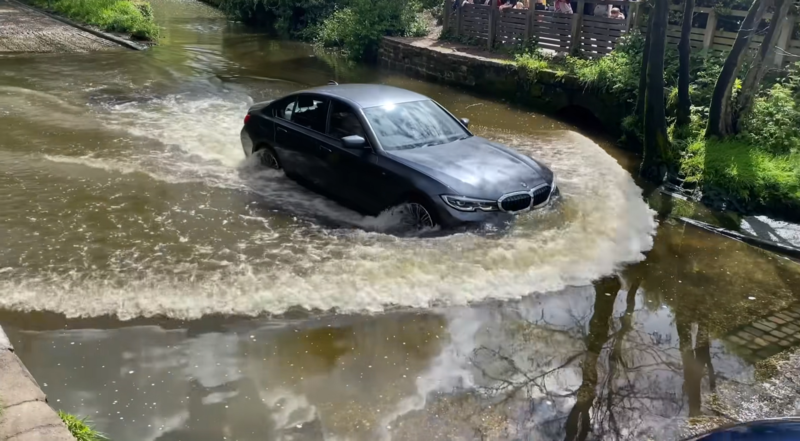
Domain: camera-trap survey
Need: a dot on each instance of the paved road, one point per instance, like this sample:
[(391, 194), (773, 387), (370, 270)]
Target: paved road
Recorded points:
[(23, 30)]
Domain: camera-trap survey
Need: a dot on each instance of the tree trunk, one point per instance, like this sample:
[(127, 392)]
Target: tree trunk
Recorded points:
[(720, 114), (656, 140), (643, 70), (684, 116), (759, 66)]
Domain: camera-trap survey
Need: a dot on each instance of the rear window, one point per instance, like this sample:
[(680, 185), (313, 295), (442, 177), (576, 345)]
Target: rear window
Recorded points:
[(413, 125)]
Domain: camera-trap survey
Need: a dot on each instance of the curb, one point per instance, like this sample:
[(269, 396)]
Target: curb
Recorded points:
[(112, 38), (26, 415)]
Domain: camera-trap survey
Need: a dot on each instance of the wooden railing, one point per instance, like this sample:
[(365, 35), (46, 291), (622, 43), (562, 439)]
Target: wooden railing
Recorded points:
[(593, 35)]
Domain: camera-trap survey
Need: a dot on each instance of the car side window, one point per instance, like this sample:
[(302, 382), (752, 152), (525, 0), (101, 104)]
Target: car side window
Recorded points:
[(344, 122), (284, 108), (311, 112)]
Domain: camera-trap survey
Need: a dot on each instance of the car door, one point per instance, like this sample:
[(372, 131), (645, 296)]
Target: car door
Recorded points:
[(286, 145), (300, 138), (357, 175)]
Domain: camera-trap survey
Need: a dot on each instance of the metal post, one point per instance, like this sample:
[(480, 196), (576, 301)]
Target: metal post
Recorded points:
[(459, 13), (493, 13), (577, 24), (529, 20), (783, 40), (448, 10)]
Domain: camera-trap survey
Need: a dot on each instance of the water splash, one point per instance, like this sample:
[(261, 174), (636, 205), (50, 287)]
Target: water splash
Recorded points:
[(195, 230)]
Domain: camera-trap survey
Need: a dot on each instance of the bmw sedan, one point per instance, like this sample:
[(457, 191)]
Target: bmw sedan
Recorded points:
[(373, 148)]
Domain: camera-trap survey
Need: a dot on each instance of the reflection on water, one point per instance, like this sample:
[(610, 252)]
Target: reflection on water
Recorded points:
[(125, 193), (630, 357)]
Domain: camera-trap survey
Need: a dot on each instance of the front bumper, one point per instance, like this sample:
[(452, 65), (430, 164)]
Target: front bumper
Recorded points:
[(449, 217)]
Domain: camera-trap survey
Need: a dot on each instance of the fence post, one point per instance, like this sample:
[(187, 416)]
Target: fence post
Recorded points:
[(633, 10), (448, 11), (493, 13), (529, 21), (577, 24), (711, 29), (783, 40)]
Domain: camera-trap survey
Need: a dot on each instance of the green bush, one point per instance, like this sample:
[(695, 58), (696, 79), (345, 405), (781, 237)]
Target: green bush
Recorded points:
[(135, 18), (616, 72), (774, 123), (295, 18), (359, 27), (80, 429), (529, 64)]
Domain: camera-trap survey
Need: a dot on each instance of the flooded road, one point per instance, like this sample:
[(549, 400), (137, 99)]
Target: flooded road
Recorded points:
[(156, 282)]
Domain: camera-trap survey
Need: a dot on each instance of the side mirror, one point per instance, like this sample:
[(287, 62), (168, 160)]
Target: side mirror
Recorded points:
[(354, 142), (465, 121)]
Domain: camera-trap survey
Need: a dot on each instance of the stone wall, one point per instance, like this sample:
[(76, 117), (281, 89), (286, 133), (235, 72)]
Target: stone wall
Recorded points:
[(548, 94), (25, 416)]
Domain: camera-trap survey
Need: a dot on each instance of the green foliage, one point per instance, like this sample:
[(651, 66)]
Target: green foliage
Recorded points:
[(743, 170), (79, 428), (774, 123), (617, 72), (358, 27), (529, 65), (296, 18), (133, 17)]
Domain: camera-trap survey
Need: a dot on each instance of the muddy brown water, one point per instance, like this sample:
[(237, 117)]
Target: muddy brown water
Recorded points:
[(159, 284)]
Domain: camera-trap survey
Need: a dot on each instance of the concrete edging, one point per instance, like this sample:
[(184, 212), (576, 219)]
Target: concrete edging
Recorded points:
[(112, 38), (26, 416)]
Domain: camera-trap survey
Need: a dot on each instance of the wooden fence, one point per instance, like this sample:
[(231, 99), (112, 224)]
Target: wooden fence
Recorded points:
[(596, 36)]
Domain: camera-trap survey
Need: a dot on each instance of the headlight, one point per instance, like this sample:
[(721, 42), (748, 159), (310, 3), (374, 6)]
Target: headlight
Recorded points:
[(553, 186), (462, 203)]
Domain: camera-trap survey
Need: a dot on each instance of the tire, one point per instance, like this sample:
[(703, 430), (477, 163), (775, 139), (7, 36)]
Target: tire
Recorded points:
[(416, 214), (268, 158)]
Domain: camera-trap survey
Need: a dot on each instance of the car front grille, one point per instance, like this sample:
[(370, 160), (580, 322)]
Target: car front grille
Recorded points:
[(540, 195), (517, 202)]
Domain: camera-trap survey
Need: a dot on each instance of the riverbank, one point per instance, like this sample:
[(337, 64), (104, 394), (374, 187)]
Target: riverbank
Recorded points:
[(24, 412), (126, 22), (25, 30)]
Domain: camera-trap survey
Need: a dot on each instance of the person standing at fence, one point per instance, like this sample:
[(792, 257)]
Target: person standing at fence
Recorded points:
[(508, 4), (563, 7), (602, 10), (616, 14)]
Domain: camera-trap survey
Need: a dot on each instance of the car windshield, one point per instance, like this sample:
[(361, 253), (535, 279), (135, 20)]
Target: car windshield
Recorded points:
[(413, 125)]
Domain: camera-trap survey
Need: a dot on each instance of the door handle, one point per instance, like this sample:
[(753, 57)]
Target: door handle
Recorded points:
[(322, 147), (281, 129)]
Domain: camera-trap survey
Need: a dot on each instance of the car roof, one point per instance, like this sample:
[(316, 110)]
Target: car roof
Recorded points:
[(368, 95)]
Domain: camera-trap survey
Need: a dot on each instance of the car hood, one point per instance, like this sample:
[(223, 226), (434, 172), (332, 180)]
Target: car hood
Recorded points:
[(476, 167)]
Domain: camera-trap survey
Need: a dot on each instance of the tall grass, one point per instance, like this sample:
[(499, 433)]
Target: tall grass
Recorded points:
[(743, 170), (127, 16), (80, 429)]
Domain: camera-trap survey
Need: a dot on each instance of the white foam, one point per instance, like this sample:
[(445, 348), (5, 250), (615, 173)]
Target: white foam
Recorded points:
[(602, 223)]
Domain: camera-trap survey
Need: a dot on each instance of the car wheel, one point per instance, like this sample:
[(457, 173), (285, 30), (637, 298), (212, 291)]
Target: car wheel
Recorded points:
[(268, 158), (417, 216)]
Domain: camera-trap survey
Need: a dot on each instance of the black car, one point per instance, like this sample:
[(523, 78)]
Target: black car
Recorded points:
[(373, 147)]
